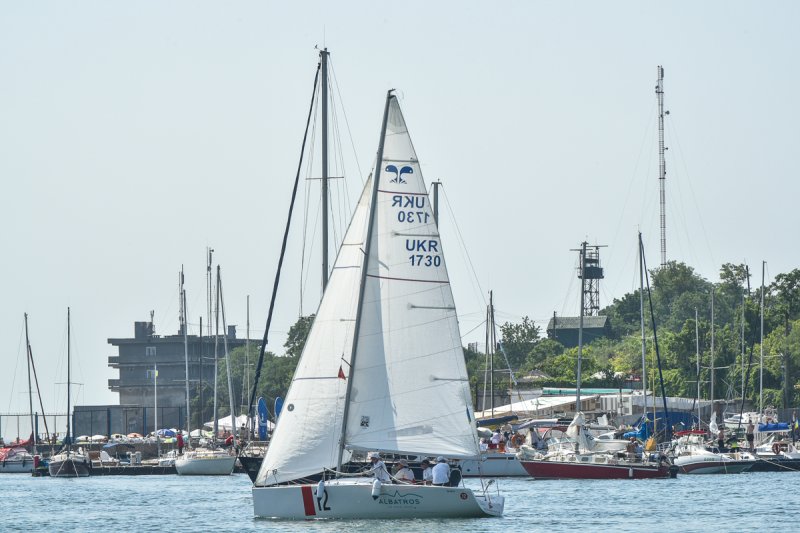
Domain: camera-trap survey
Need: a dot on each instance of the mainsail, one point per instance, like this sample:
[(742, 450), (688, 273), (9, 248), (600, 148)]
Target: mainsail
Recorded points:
[(409, 389)]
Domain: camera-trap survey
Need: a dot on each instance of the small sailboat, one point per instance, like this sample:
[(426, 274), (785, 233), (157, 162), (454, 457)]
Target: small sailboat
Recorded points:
[(211, 460), (15, 458), (383, 368), (69, 463)]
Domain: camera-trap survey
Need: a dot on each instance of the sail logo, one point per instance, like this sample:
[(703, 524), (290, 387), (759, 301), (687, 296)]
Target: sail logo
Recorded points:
[(400, 499), (398, 174)]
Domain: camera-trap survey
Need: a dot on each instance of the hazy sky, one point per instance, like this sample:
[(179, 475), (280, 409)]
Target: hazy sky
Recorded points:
[(135, 134)]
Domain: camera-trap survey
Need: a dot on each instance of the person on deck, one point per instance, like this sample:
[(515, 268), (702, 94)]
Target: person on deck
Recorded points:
[(427, 472), (750, 436), (721, 440), (179, 440), (378, 468), (441, 473), (404, 474)]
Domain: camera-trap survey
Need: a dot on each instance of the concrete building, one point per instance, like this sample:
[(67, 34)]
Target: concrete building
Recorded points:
[(138, 358)]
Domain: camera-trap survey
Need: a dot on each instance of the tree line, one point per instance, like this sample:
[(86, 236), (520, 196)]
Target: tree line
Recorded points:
[(615, 361)]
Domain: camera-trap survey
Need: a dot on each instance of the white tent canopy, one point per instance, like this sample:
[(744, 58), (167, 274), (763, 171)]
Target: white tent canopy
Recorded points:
[(224, 423)]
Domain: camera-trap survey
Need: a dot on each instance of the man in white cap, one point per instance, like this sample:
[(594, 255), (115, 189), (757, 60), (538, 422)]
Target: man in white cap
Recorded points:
[(404, 473), (378, 469), (441, 472)]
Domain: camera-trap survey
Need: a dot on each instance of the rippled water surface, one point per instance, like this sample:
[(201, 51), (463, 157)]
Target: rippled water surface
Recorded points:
[(690, 503)]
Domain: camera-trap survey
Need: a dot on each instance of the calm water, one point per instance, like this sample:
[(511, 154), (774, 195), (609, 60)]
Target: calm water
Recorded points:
[(690, 503)]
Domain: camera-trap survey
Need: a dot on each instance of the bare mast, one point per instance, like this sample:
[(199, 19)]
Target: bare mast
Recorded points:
[(30, 385), (323, 56)]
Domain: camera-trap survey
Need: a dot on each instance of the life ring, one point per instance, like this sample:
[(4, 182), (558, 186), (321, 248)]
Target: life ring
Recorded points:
[(776, 448)]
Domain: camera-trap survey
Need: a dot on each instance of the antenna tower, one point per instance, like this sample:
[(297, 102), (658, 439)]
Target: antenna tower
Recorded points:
[(662, 166)]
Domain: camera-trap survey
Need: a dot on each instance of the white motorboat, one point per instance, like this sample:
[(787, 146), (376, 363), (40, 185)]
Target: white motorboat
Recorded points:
[(205, 462), (16, 460), (691, 456), (383, 368)]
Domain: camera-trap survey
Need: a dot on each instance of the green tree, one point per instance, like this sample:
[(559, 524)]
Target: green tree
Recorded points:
[(518, 340)]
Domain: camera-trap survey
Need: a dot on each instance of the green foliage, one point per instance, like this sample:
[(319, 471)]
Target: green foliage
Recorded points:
[(518, 340)]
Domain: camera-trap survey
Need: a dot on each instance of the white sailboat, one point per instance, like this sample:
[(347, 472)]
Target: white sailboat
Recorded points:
[(69, 463), (383, 368), (210, 461)]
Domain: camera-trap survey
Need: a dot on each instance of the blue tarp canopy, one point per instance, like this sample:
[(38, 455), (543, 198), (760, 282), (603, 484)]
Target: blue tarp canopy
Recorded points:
[(644, 428), (775, 426)]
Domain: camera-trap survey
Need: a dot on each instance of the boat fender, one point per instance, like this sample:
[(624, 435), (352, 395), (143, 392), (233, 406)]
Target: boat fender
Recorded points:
[(776, 448), (630, 473), (320, 489), (376, 489)]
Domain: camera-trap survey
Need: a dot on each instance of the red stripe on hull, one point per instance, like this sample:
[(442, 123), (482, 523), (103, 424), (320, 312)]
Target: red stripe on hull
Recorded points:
[(562, 470), (308, 501)]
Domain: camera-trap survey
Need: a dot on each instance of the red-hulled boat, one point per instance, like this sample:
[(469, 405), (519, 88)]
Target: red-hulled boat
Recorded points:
[(600, 466)]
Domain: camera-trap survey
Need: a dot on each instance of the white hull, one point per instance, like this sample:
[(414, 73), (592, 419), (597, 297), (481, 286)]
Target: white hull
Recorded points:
[(711, 464), (493, 465), (16, 466), (201, 464), (354, 499)]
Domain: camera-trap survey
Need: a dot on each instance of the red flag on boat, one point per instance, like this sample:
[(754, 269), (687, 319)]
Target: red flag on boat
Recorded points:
[(341, 373)]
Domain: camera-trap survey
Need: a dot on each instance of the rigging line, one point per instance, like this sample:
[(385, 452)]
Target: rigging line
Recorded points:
[(634, 174), (282, 254), (674, 131), (343, 189), (473, 329), (16, 366), (347, 122), (463, 243), (309, 168)]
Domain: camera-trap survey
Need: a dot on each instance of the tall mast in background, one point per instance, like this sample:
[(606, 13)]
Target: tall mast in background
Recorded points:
[(662, 166)]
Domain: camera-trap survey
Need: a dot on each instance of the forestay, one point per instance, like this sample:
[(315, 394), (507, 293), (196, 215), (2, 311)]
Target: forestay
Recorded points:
[(306, 437), (410, 391)]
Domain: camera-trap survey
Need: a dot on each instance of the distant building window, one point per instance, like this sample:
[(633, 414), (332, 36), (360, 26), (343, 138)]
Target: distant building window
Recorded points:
[(150, 351)]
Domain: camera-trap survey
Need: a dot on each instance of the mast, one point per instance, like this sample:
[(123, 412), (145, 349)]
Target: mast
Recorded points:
[(743, 337), (662, 166), (712, 350), (227, 357), (69, 376), (30, 385), (580, 328), (641, 320), (216, 357), (761, 363), (185, 354), (247, 355), (323, 57), (209, 253), (436, 185), (367, 249), (697, 352), (490, 351)]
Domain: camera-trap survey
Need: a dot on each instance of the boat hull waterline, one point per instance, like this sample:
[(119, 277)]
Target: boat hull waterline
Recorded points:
[(575, 470), (711, 465), (205, 466), (68, 468), (356, 500)]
